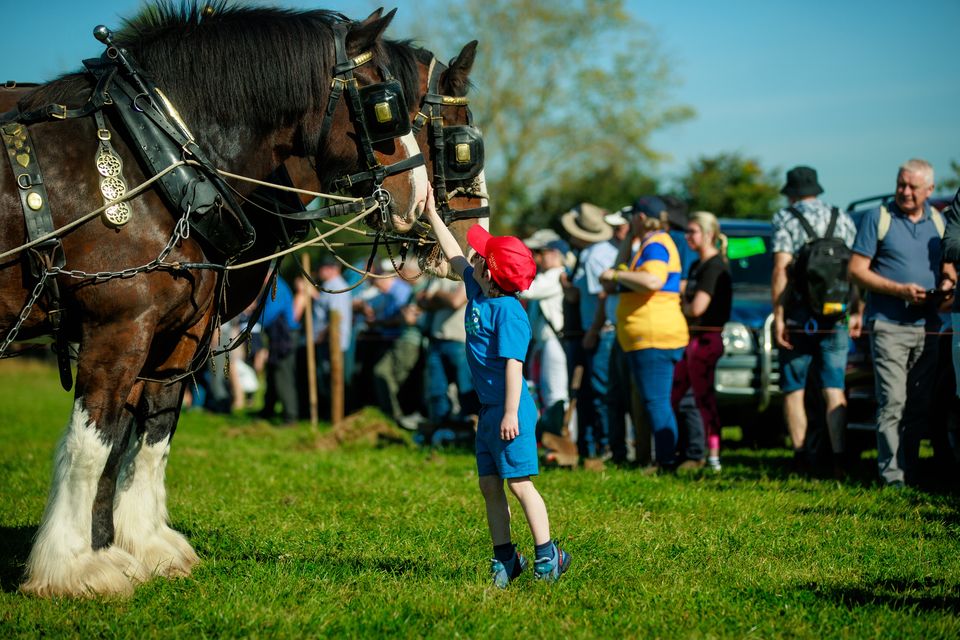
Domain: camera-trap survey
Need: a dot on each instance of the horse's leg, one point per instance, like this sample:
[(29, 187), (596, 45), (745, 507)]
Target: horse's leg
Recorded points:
[(140, 511), (74, 554)]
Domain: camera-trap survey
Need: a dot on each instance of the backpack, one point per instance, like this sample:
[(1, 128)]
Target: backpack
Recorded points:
[(819, 272), (883, 223)]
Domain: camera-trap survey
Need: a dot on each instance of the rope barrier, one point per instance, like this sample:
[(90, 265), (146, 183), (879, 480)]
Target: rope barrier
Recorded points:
[(864, 331)]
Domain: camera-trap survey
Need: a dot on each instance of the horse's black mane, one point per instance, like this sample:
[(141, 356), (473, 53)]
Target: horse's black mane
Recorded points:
[(224, 64), (403, 58)]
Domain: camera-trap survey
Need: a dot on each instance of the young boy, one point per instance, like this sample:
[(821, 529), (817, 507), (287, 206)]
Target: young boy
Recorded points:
[(498, 333)]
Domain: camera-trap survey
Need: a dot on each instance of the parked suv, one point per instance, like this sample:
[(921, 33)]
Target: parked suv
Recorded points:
[(747, 380)]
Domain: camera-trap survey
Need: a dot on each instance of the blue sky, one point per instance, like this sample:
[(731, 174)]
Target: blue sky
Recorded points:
[(850, 87)]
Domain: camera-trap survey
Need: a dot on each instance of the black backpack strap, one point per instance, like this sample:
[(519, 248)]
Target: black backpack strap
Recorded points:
[(811, 234), (834, 214)]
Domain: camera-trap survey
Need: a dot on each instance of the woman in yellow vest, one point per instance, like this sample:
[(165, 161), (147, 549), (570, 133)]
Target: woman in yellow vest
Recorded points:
[(650, 324)]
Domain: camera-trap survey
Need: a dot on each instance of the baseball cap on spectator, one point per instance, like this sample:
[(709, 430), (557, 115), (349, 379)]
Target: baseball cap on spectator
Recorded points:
[(676, 211), (540, 238), (327, 260), (509, 261), (558, 245), (650, 206), (618, 218), (385, 266)]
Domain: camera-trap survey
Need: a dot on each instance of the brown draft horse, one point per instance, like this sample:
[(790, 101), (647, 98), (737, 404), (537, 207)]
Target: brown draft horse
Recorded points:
[(252, 85)]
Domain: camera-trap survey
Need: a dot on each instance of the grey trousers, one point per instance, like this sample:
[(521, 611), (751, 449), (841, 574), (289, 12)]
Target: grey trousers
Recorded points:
[(904, 360)]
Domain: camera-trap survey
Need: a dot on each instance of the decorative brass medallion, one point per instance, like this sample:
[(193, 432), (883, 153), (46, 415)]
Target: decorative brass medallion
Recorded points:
[(34, 201), (112, 184)]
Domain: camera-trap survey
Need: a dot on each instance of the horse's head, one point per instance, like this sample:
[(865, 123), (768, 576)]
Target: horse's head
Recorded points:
[(367, 105), (453, 147)]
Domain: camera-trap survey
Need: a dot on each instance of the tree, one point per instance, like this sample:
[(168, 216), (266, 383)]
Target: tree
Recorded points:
[(561, 90), (952, 183), (610, 188), (731, 186)]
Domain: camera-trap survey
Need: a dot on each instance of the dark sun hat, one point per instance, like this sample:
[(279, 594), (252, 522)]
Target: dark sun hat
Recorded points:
[(801, 182)]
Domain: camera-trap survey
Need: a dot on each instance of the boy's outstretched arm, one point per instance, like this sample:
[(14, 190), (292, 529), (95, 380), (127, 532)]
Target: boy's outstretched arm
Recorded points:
[(449, 245)]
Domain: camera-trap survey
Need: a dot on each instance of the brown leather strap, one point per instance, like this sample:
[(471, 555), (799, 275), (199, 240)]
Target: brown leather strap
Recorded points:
[(22, 156)]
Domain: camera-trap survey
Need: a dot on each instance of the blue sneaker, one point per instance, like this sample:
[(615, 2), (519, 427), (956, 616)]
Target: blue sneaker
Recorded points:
[(504, 574), (550, 569)]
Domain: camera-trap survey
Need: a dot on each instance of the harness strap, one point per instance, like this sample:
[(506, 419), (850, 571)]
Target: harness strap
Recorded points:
[(346, 182), (48, 255), (94, 103)]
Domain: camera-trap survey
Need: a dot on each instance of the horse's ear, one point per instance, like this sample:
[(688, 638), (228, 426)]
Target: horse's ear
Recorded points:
[(455, 81), (364, 35)]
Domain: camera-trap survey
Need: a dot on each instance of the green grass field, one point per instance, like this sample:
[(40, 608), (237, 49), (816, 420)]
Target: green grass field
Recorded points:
[(366, 541)]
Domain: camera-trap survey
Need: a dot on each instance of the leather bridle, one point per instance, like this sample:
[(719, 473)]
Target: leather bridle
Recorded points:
[(344, 81), (456, 150)]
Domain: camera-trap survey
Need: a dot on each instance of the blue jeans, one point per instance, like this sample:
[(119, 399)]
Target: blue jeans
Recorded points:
[(592, 408), (652, 371), (446, 361)]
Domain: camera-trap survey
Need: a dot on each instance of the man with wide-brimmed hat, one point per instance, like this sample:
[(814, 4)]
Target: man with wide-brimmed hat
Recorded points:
[(598, 252), (805, 335)]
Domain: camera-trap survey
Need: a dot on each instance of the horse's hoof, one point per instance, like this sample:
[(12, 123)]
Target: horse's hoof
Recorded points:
[(166, 553), (110, 572)]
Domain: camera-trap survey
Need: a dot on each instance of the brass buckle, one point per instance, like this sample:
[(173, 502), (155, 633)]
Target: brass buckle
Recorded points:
[(58, 111), (103, 135)]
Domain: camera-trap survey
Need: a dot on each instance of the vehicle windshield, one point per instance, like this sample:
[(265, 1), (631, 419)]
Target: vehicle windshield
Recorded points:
[(750, 260)]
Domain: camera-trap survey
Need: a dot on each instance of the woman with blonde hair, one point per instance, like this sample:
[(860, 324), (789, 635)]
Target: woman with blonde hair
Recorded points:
[(706, 304)]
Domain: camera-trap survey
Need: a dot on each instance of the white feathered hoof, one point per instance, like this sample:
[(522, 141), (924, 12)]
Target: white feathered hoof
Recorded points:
[(110, 572), (166, 553)]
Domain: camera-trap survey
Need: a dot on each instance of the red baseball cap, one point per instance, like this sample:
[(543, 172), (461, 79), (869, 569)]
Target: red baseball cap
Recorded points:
[(510, 262)]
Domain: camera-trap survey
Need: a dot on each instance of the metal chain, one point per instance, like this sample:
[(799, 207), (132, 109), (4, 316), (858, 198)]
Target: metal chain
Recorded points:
[(24, 314), (181, 231)]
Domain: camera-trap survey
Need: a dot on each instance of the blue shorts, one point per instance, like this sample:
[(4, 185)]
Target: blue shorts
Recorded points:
[(828, 350), (508, 459)]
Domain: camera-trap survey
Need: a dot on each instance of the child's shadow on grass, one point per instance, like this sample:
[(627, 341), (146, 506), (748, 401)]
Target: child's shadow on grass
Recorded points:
[(13, 558)]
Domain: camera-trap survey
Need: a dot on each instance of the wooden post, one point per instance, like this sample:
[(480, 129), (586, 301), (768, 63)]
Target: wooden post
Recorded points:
[(311, 351), (336, 368)]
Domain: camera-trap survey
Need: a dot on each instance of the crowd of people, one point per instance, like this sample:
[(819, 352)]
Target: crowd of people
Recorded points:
[(627, 310)]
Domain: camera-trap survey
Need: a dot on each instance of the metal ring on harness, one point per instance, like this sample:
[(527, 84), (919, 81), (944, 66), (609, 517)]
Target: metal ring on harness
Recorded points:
[(24, 177), (811, 326), (136, 101), (383, 198)]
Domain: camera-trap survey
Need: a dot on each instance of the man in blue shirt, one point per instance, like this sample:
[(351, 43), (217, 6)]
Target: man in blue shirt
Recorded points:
[(598, 252), (896, 258), (282, 328)]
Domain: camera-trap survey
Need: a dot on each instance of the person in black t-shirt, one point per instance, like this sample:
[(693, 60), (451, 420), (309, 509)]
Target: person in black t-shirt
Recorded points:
[(706, 303)]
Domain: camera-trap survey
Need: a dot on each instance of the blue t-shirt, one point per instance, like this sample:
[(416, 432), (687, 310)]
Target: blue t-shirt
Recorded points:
[(910, 252), (594, 260), (497, 329), (281, 305)]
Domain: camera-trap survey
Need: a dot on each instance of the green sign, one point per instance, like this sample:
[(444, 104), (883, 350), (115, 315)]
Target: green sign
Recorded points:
[(745, 247)]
